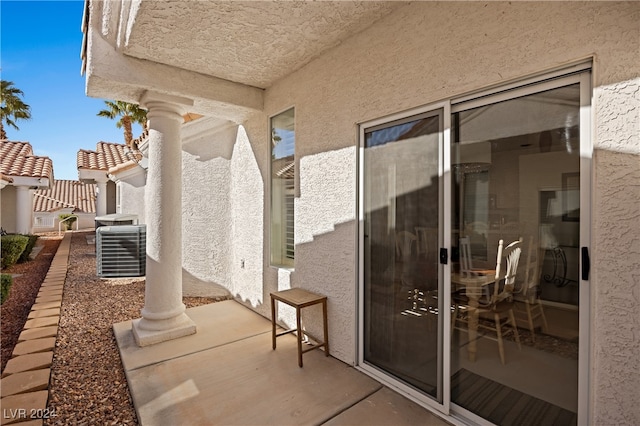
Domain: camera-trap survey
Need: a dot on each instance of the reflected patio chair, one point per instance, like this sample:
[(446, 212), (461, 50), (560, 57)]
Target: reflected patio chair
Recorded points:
[(529, 292), (498, 305)]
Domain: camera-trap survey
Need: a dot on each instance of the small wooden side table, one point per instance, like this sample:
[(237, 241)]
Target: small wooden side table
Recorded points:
[(299, 298)]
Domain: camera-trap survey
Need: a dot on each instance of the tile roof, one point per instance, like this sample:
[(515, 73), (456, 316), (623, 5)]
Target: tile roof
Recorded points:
[(284, 168), (17, 160), (105, 156), (66, 194)]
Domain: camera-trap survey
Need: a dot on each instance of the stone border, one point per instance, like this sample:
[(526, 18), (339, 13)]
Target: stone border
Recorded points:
[(24, 386)]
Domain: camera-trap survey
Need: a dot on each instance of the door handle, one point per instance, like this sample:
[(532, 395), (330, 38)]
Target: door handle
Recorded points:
[(586, 263), (444, 256)]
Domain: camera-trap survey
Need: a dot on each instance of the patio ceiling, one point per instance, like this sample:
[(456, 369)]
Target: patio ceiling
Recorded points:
[(218, 54)]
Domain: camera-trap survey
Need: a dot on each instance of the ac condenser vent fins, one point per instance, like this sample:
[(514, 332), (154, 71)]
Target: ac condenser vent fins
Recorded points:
[(121, 251)]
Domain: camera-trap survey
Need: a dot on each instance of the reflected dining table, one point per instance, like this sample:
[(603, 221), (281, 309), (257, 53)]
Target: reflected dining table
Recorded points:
[(474, 287)]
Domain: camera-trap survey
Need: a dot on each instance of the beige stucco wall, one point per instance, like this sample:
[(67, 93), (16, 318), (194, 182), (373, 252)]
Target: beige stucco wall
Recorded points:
[(429, 51), (132, 199), (423, 53), (206, 212), (9, 208), (84, 221)]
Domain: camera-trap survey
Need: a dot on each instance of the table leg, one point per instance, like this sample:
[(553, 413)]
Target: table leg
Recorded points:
[(473, 325), (273, 323), (299, 334), (326, 328)]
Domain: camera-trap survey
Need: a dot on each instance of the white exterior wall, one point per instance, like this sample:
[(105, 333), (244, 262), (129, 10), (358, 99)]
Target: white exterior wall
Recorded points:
[(250, 253), (206, 202), (9, 208), (84, 221), (451, 49), (423, 53), (131, 193)]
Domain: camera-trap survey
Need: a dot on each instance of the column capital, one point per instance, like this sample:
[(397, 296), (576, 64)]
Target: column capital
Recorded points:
[(161, 104)]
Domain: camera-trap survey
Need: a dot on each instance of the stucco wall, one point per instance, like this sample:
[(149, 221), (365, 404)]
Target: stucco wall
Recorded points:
[(422, 53), (615, 243), (9, 208), (247, 264), (429, 51), (84, 221), (206, 202), (131, 193)]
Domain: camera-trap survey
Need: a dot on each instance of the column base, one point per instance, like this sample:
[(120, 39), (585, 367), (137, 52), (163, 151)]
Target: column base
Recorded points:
[(146, 337)]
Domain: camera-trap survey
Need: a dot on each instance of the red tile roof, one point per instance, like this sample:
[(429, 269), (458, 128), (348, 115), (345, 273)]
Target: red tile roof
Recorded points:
[(66, 194), (105, 156), (17, 160)]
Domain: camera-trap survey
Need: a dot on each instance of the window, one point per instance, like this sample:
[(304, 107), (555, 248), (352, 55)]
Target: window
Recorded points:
[(282, 188), (119, 197)]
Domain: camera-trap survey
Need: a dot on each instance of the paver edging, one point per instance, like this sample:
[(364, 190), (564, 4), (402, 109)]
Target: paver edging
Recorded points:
[(25, 408)]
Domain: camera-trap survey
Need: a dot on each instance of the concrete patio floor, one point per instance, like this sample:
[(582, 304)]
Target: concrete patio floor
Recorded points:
[(227, 374)]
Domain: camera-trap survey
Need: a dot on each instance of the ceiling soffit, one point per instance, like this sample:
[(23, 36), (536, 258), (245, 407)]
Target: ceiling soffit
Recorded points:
[(253, 43)]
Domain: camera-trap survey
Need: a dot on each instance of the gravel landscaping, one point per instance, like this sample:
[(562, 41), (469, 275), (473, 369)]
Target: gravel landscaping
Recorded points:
[(88, 384)]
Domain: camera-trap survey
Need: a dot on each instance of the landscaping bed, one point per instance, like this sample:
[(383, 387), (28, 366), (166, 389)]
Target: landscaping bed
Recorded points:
[(27, 278), (88, 385)]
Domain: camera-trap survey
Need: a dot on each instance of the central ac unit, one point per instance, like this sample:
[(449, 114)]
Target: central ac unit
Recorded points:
[(121, 251)]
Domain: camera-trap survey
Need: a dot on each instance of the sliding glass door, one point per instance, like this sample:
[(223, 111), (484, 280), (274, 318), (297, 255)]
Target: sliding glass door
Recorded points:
[(516, 182), (401, 202), (474, 242)]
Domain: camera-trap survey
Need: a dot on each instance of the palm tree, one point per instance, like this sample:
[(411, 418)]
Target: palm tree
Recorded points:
[(13, 108), (129, 114)]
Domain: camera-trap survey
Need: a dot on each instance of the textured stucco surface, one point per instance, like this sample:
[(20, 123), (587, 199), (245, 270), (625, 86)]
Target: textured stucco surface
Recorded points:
[(206, 202), (616, 255), (490, 43), (131, 189), (247, 224), (277, 37), (9, 208), (422, 53)]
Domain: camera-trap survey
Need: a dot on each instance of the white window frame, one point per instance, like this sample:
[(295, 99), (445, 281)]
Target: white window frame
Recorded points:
[(288, 199), (577, 73)]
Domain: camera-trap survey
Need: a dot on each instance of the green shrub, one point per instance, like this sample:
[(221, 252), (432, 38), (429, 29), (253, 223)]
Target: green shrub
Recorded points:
[(27, 251), (68, 223), (5, 285), (12, 248)]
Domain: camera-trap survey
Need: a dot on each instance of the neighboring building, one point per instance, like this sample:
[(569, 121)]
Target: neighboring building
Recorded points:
[(93, 167), (130, 178), (21, 173), (64, 197), (356, 149)]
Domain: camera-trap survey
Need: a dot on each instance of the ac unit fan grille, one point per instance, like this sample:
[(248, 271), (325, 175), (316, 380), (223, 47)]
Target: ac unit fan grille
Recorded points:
[(121, 251)]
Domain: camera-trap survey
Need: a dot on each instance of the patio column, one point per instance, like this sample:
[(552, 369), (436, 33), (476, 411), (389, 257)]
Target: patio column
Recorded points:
[(101, 196), (163, 315), (24, 209)]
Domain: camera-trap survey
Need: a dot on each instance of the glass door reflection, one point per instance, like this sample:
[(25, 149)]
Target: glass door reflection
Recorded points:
[(515, 170), (401, 239)]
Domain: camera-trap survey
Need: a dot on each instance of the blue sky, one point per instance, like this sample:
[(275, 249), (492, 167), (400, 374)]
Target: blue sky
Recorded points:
[(40, 52)]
